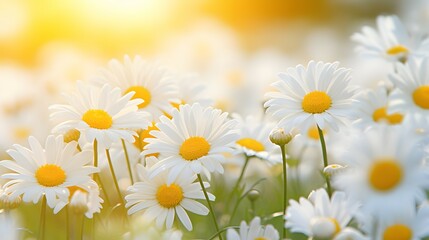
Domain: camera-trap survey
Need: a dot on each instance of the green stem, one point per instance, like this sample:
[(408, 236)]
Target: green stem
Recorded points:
[(325, 158), (283, 150), (82, 228), (67, 222), (114, 177), (210, 206), (237, 184), (42, 219), (127, 158), (95, 145)]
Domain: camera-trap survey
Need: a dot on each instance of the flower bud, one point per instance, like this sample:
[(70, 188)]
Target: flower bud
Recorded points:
[(332, 169), (253, 195), (7, 202), (279, 137), (71, 135)]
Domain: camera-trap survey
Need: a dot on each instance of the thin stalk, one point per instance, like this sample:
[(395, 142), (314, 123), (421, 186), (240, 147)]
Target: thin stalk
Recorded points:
[(237, 184), (95, 145), (114, 177), (82, 228), (283, 149), (210, 206), (42, 219), (325, 158), (67, 222), (127, 158)]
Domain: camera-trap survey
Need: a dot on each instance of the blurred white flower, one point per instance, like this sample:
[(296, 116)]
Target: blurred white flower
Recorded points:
[(253, 231)]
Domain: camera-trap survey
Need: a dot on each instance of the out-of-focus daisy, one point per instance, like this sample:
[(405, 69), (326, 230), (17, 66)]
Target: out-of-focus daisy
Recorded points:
[(190, 91), (411, 95), (373, 106), (148, 81), (162, 201), (253, 231), (384, 164), (391, 41), (9, 228), (101, 114), (404, 225), (47, 171), (254, 138), (320, 217), (318, 94), (146, 230), (195, 138)]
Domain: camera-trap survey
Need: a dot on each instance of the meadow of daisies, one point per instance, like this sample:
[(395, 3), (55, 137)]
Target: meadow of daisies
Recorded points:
[(139, 152)]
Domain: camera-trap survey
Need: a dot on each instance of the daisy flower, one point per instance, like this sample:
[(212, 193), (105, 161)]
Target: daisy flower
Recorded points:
[(254, 138), (47, 171), (404, 225), (411, 95), (391, 41), (320, 217), (384, 164), (195, 138), (162, 201), (191, 90), (318, 94), (149, 83), (99, 114), (85, 199), (373, 106), (254, 231)]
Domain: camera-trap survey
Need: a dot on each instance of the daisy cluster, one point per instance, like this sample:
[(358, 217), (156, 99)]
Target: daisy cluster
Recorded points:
[(141, 152)]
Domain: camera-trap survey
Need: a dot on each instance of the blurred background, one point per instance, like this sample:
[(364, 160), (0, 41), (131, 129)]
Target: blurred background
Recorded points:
[(237, 46)]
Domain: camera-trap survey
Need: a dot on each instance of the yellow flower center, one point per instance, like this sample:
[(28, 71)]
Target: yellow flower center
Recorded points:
[(251, 144), (385, 174), (398, 49), (21, 132), (421, 96), (71, 135), (313, 133), (50, 175), (381, 114), (97, 118), (316, 102), (194, 148), (398, 232), (169, 196), (142, 93), (260, 238)]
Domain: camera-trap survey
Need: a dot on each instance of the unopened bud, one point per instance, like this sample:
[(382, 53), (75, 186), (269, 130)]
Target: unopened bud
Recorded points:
[(279, 137), (333, 169), (7, 202), (253, 195), (71, 135)]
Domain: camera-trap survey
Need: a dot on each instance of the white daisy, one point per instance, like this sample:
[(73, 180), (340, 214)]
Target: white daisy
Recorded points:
[(373, 107), (253, 232), (195, 138), (47, 171), (150, 83), (85, 199), (385, 164), (318, 94), (192, 90), (162, 201), (411, 95), (391, 41), (403, 225), (320, 217), (100, 114), (254, 138)]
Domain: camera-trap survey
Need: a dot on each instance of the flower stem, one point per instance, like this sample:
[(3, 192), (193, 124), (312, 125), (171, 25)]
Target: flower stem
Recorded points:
[(67, 222), (127, 158), (325, 158), (237, 184), (210, 206), (42, 219), (283, 150), (95, 145), (114, 177)]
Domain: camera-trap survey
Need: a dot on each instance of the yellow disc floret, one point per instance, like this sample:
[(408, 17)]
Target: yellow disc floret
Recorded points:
[(169, 196), (380, 114), (142, 93), (398, 232), (385, 175), (316, 102), (97, 118), (421, 96), (194, 148), (50, 175), (398, 49), (251, 144)]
